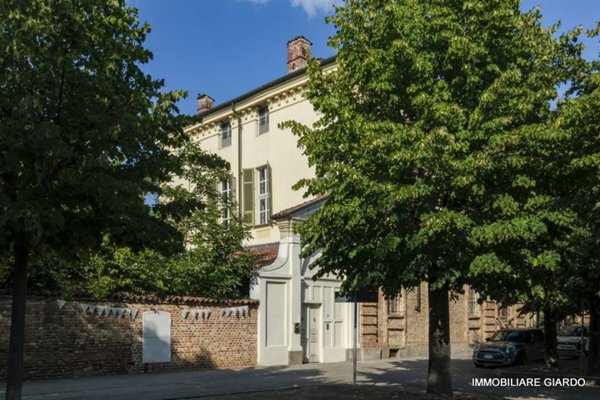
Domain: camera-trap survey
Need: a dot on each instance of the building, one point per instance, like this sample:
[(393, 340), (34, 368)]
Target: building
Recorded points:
[(399, 326), (299, 319)]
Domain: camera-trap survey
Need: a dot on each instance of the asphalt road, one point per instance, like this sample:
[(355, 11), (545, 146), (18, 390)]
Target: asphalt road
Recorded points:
[(410, 374)]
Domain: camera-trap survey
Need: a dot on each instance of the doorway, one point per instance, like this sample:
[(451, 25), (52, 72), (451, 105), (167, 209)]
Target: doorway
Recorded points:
[(311, 334)]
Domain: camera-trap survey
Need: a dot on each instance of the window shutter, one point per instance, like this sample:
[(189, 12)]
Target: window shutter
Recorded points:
[(248, 196), (211, 200), (233, 189), (233, 198), (270, 189)]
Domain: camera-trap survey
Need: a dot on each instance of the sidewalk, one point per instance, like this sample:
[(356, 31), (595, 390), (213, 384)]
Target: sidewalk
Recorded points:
[(568, 368), (391, 378)]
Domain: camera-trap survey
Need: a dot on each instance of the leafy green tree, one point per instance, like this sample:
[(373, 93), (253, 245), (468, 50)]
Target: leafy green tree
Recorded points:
[(425, 93), (579, 116), (545, 239), (213, 263), (84, 136)]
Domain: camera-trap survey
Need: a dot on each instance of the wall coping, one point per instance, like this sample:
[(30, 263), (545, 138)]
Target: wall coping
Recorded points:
[(152, 299)]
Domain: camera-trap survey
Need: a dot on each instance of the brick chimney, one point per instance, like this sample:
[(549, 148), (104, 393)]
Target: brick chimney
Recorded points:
[(205, 103), (298, 50)]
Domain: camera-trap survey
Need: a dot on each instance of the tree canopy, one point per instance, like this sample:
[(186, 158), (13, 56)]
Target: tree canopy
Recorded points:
[(85, 135), (418, 148)]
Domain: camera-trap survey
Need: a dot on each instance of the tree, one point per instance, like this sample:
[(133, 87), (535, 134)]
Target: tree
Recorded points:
[(84, 136), (213, 263), (548, 224), (424, 94), (579, 116)]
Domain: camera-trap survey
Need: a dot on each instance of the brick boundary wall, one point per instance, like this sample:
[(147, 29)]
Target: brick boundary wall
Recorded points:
[(67, 342)]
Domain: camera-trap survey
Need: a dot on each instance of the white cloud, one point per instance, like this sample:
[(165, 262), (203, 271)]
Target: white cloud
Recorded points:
[(256, 1), (313, 6)]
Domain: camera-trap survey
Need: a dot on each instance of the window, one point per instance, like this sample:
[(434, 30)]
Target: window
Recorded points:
[(502, 312), (248, 195), (396, 305), (473, 303), (264, 194), (418, 298), (225, 134), (257, 195), (226, 197), (263, 120)]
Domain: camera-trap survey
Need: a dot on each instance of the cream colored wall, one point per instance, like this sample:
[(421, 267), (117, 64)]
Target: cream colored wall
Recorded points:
[(277, 147)]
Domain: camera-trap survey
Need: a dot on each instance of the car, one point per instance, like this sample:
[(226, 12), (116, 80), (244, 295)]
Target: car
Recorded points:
[(510, 347), (571, 339)]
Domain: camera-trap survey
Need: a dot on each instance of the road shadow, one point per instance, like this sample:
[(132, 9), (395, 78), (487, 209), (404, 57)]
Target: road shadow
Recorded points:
[(412, 374)]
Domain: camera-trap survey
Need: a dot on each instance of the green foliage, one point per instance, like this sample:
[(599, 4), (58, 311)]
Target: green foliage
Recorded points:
[(579, 116), (212, 264), (84, 133), (438, 148)]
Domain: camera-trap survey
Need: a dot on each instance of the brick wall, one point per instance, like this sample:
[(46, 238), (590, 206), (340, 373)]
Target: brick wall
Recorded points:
[(417, 318), (68, 342), (411, 327), (368, 325)]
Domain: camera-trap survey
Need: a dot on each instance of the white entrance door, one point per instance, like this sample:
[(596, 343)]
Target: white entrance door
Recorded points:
[(313, 335)]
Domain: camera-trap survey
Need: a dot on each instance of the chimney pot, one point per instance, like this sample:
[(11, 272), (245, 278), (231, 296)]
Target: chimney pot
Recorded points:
[(298, 51), (205, 103)]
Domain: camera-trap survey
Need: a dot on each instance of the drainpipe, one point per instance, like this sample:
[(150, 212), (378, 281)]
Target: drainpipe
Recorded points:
[(239, 160)]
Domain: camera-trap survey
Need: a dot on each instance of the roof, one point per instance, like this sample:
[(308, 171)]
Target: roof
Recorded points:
[(300, 207), (266, 86), (147, 298), (264, 254), (126, 297)]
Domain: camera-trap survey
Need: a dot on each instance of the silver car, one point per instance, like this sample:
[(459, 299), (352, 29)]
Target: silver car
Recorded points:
[(571, 339), (510, 347)]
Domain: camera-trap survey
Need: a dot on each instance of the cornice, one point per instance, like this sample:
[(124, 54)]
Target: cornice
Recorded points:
[(277, 97)]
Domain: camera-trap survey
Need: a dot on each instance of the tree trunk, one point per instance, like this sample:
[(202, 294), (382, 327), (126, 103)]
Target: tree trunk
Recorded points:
[(439, 379), (550, 320), (594, 338), (14, 378)]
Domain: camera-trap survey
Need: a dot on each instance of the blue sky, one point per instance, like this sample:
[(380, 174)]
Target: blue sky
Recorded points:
[(227, 47)]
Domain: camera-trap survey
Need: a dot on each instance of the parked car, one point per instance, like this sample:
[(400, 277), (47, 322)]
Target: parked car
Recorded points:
[(510, 347), (571, 341)]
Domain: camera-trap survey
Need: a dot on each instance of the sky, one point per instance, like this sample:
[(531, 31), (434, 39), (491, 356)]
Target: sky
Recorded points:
[(225, 48)]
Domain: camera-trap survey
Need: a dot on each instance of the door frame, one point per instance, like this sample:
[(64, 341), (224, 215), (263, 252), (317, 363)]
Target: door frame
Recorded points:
[(313, 355)]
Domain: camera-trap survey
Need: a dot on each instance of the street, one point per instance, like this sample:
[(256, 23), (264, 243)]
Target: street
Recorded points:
[(408, 374)]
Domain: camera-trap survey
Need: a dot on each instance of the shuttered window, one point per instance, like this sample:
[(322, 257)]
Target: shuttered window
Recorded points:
[(474, 308), (248, 195), (226, 187), (263, 120), (225, 134), (264, 195), (396, 305)]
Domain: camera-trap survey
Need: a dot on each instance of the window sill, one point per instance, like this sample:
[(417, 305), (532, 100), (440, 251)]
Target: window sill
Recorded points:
[(395, 316), (259, 226), (474, 316)]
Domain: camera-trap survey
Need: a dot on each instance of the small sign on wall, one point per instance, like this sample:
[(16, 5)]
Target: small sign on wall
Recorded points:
[(156, 346)]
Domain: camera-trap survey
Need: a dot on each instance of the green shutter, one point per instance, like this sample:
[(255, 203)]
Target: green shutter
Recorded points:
[(233, 189), (248, 196), (270, 189), (211, 200), (233, 199)]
